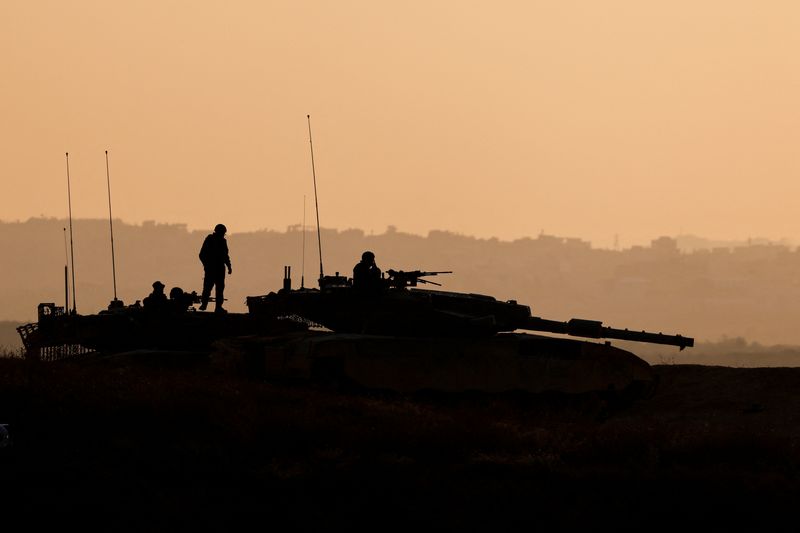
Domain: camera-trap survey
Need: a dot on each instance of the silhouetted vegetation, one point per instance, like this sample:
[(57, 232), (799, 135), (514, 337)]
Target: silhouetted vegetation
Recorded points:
[(153, 440)]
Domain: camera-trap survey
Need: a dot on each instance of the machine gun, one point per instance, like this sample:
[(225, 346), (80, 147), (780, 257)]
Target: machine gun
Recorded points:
[(182, 300), (399, 279)]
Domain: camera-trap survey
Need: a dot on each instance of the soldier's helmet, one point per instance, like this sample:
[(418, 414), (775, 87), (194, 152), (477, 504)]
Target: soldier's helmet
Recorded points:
[(220, 228), (368, 257), (157, 285), (175, 293)]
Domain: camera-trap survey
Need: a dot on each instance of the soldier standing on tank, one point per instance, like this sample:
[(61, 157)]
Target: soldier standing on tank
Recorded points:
[(214, 256), (366, 274)]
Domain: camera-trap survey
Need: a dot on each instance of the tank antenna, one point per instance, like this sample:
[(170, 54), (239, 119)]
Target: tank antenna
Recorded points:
[(303, 271), (111, 227), (316, 203), (71, 245), (66, 273)]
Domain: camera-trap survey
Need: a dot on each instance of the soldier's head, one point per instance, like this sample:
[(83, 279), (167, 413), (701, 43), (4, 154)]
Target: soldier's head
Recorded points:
[(220, 229), (175, 293), (368, 257), (158, 287)]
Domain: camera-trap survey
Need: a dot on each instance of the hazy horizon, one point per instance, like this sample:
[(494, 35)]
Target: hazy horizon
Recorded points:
[(622, 243), (577, 118), (689, 286)]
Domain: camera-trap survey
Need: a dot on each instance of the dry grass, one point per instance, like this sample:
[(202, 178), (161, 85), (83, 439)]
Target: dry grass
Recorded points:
[(181, 437), (7, 352)]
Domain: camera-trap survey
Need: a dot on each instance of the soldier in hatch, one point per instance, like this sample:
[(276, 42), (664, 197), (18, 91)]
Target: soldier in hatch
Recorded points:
[(214, 256), (366, 274), (156, 300)]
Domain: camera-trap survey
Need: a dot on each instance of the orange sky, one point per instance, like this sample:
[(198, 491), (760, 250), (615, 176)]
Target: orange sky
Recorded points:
[(584, 119)]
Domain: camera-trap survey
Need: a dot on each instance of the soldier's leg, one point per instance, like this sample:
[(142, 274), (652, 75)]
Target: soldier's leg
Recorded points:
[(208, 282), (219, 295)]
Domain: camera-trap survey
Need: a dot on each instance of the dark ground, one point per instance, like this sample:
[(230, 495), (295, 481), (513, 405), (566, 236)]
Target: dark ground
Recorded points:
[(149, 443)]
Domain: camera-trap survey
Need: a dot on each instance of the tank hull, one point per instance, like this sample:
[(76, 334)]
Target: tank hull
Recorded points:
[(64, 336), (503, 363)]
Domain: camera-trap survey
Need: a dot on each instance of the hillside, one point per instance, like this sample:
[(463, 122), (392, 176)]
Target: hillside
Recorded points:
[(748, 291)]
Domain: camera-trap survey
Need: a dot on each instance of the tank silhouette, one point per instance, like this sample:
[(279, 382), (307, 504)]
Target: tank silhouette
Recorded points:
[(174, 325), (398, 308), (395, 336), (404, 338), (59, 335)]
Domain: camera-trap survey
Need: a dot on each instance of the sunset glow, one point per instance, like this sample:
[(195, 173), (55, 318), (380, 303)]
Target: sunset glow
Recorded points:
[(584, 119)]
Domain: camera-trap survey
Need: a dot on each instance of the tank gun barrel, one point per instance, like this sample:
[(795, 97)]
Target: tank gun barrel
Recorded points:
[(595, 329)]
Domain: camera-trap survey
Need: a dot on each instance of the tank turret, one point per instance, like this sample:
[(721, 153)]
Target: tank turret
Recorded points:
[(397, 308)]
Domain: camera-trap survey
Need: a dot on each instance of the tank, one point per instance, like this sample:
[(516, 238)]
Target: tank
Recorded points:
[(397, 307), (173, 325), (401, 337), (393, 336)]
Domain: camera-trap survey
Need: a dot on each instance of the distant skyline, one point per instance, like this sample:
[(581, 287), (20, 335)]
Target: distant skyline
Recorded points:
[(579, 118), (687, 241)]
